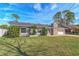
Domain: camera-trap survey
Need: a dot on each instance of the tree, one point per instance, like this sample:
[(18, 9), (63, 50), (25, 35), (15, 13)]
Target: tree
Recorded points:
[(67, 19), (16, 17), (57, 16), (69, 16)]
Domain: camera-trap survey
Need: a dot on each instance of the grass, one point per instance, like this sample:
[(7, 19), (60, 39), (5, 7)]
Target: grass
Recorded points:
[(42, 45)]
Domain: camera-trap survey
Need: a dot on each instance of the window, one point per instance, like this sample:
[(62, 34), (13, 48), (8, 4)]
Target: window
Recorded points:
[(23, 30), (39, 30)]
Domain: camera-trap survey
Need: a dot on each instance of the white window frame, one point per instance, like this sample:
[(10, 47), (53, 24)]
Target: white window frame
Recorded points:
[(21, 29)]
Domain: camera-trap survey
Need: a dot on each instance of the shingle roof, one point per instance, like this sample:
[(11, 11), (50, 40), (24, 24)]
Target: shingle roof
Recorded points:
[(12, 23)]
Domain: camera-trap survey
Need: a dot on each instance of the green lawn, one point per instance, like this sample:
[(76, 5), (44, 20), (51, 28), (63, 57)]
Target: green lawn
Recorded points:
[(42, 45)]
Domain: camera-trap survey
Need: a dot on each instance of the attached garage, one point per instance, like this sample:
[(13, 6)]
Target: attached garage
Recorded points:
[(59, 31)]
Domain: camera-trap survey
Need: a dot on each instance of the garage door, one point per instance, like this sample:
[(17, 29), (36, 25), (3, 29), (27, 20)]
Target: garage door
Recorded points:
[(60, 33)]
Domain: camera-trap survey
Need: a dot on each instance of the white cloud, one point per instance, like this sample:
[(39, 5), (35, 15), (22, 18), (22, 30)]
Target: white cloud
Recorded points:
[(9, 7), (6, 8), (4, 19), (76, 21), (76, 18), (76, 9), (37, 6), (75, 5), (53, 6)]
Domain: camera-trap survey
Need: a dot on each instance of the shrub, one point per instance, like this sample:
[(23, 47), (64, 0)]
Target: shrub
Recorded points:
[(44, 31), (4, 26), (13, 31), (34, 30)]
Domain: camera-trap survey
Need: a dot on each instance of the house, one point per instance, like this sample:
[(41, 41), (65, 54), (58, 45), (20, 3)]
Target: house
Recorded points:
[(53, 29), (26, 28), (3, 31), (61, 30)]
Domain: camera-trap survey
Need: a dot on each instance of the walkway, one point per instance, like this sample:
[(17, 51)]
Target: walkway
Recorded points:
[(65, 35)]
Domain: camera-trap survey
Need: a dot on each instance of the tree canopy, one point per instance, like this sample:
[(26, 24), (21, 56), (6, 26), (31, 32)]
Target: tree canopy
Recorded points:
[(15, 16), (64, 18)]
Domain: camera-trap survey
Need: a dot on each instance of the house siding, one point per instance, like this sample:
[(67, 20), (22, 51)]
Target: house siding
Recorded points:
[(24, 34), (2, 32), (51, 29)]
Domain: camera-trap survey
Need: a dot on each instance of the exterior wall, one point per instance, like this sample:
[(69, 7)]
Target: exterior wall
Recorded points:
[(59, 31), (27, 32), (55, 31), (24, 34), (2, 32), (37, 32), (49, 32)]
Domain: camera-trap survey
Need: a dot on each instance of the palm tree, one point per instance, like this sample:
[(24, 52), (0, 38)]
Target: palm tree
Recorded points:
[(16, 17)]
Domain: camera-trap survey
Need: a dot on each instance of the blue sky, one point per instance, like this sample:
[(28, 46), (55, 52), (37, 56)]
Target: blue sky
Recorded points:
[(35, 12)]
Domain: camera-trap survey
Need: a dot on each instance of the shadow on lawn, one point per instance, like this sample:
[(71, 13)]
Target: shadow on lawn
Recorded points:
[(17, 48)]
